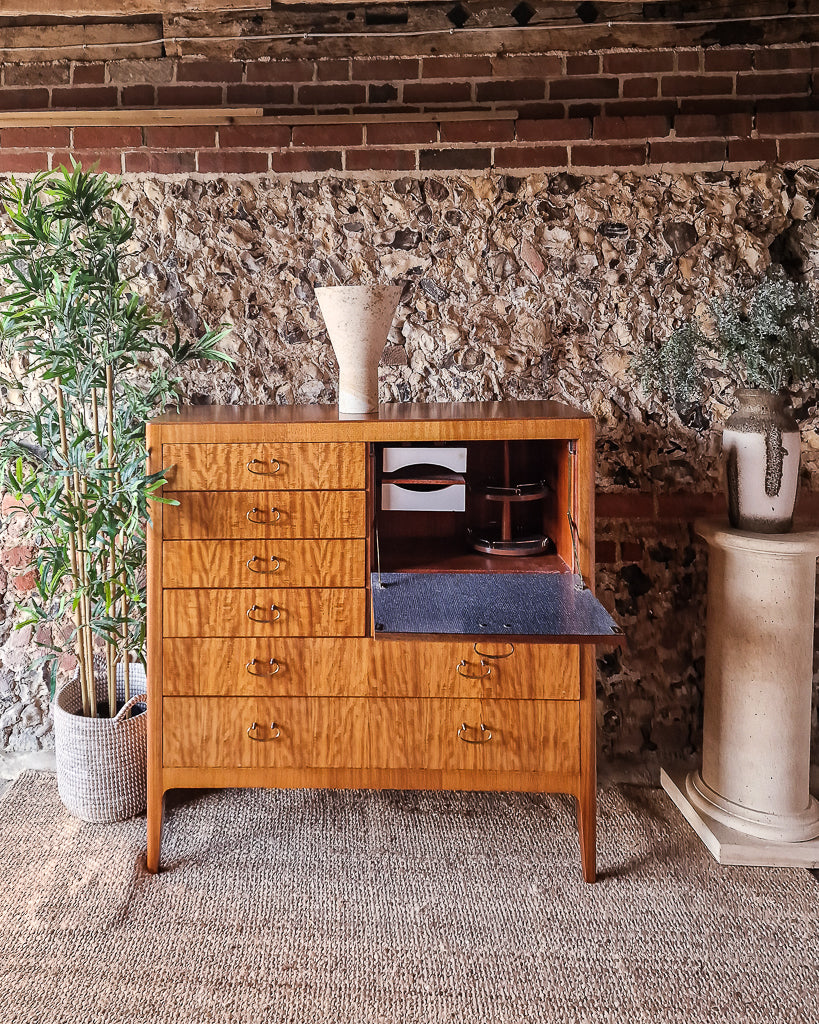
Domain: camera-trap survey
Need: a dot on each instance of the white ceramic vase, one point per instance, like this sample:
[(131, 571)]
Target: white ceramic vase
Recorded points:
[(358, 319), (762, 446)]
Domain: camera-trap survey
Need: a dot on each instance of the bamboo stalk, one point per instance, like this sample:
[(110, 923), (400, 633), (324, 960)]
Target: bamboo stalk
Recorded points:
[(110, 648), (79, 646), (112, 663)]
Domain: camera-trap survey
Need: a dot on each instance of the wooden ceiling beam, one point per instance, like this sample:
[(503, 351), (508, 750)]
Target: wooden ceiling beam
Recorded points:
[(77, 9)]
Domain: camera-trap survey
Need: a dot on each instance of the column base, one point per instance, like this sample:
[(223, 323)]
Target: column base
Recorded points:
[(729, 845)]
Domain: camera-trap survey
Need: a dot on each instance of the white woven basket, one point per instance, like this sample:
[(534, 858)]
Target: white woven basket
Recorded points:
[(101, 762)]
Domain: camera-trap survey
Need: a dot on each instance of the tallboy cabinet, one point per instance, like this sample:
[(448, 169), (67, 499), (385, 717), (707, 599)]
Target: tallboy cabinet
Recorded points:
[(305, 631)]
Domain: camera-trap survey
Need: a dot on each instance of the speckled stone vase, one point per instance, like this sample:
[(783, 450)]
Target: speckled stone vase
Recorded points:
[(358, 319), (762, 447)]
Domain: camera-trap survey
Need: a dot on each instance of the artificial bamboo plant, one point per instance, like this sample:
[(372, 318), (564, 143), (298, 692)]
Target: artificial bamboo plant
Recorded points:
[(83, 362)]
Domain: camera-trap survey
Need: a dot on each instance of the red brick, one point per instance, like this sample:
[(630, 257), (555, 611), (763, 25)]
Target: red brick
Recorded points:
[(86, 98), (376, 70), (9, 504), (783, 58), (123, 137), (688, 60), (605, 551), (773, 84), (624, 505), (583, 64), (158, 162), (18, 557), (454, 159), (110, 162), (385, 93), (477, 131), (710, 151), (606, 155), (23, 99), (638, 87), (703, 126), (788, 122), (532, 156), (31, 138), (176, 137), (758, 150), (527, 66), (138, 96), (232, 161), (631, 127), (728, 60), (790, 150), (88, 74), (189, 95), (380, 159), (517, 89), (256, 136), (259, 95), (456, 67), (292, 162), (25, 582), (718, 105), (209, 71), (15, 162), (583, 88), (411, 133), (28, 75), (316, 135), (554, 130), (638, 62), (443, 92), (641, 108), (631, 551), (696, 85), (541, 111), (322, 95), (283, 71), (333, 70), (687, 507)]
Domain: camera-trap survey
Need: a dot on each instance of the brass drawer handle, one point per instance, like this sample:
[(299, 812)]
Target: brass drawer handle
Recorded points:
[(470, 675), (274, 463), (255, 608), (496, 657), (275, 733), (256, 558), (274, 667), (485, 734), (274, 512)]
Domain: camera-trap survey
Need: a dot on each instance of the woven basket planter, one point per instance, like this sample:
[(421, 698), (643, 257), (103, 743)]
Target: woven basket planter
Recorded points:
[(101, 762)]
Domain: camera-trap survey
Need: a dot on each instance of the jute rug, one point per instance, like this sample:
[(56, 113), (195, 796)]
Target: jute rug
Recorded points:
[(396, 908)]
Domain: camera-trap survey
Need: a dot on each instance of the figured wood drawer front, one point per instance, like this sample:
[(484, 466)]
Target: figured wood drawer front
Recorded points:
[(245, 732), (264, 466), (264, 613), (272, 563), (221, 514)]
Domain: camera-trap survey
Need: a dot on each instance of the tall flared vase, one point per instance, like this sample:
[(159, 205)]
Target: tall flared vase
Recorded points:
[(762, 447), (358, 319)]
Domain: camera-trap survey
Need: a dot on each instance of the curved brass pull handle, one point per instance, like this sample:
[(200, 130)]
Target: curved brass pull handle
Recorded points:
[(470, 675), (274, 667), (485, 734), (255, 608), (496, 657), (274, 512), (275, 464), (256, 558), (275, 733)]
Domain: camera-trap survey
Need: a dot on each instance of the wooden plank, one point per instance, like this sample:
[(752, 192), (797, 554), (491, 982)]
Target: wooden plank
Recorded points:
[(118, 9), (21, 43)]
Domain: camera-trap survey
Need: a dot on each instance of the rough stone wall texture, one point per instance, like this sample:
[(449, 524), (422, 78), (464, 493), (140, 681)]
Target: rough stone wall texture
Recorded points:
[(515, 287)]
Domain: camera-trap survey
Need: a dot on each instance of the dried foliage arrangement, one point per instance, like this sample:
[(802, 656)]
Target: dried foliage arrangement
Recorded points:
[(83, 362)]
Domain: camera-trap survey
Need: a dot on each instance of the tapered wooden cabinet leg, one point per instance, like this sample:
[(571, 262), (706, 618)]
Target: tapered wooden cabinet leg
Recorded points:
[(587, 828), (156, 807)]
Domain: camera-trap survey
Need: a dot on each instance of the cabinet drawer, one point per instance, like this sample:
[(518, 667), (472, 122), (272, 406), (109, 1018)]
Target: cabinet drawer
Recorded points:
[(264, 613), (264, 466), (247, 732), (278, 563), (225, 514)]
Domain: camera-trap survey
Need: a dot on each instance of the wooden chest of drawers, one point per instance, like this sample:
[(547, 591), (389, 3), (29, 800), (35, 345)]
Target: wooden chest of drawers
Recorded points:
[(266, 665)]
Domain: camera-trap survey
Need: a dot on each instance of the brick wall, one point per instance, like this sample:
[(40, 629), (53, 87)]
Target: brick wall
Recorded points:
[(690, 107)]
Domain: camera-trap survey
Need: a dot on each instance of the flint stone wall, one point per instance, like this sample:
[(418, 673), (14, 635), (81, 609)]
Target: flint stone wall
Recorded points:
[(515, 287)]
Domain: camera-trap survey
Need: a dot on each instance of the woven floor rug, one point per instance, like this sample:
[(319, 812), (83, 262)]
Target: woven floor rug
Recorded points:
[(395, 908)]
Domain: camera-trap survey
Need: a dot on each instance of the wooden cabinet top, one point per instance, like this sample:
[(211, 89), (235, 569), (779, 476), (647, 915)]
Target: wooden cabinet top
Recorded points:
[(394, 422)]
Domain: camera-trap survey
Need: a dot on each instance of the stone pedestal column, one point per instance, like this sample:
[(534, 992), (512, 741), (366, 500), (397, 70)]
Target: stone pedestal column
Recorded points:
[(759, 665)]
